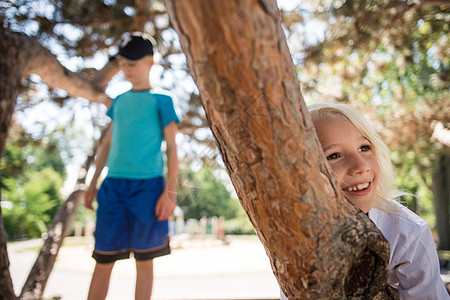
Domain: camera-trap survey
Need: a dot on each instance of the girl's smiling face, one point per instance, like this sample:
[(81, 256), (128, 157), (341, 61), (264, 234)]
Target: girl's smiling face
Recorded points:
[(350, 155)]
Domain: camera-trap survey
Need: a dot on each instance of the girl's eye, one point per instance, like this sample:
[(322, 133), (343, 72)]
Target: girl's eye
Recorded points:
[(333, 156), (365, 148)]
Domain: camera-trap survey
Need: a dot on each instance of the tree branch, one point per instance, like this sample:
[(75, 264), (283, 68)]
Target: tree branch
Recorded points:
[(436, 3), (41, 61), (440, 133), (239, 59), (142, 14)]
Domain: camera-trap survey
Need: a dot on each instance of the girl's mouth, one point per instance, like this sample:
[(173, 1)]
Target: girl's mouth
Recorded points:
[(357, 187)]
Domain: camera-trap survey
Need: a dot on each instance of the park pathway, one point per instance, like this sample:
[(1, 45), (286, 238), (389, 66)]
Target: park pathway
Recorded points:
[(196, 269)]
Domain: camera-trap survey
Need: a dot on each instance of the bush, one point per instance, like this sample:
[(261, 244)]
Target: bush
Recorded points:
[(238, 226)]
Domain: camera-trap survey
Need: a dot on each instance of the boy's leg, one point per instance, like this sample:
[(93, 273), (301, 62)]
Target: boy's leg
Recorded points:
[(100, 281), (148, 236), (144, 279)]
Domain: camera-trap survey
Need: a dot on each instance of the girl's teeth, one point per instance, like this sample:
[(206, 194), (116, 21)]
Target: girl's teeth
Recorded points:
[(359, 187)]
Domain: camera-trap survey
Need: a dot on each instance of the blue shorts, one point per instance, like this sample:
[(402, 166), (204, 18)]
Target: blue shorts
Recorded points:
[(126, 218)]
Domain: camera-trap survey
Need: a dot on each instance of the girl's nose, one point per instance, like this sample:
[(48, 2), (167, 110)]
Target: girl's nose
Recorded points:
[(358, 165)]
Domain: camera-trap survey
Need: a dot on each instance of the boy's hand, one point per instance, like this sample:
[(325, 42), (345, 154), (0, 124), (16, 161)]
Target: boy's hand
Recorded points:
[(165, 206), (91, 193)]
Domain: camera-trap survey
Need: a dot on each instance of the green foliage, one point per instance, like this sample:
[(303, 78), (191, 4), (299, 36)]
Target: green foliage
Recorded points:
[(202, 194), (32, 175), (238, 226), (391, 61), (29, 203)]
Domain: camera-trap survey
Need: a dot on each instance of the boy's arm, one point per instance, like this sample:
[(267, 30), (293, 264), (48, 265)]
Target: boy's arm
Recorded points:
[(100, 163), (168, 199)]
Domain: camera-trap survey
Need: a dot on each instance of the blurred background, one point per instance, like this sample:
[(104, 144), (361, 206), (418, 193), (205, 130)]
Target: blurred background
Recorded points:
[(390, 59)]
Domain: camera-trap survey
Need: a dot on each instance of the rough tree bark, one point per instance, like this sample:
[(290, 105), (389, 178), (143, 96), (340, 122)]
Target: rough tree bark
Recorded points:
[(319, 245), (12, 64)]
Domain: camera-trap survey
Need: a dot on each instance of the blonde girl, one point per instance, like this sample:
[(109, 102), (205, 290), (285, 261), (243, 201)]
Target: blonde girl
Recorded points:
[(361, 163)]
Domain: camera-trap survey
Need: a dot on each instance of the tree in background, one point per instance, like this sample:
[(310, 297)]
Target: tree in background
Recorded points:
[(203, 194), (33, 174), (390, 59)]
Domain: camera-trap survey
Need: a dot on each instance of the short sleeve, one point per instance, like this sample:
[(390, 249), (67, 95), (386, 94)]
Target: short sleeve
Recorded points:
[(166, 110), (110, 111)]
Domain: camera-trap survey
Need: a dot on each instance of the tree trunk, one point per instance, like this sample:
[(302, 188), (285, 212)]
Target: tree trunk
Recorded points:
[(441, 193), (60, 228), (319, 245), (6, 285), (12, 64)]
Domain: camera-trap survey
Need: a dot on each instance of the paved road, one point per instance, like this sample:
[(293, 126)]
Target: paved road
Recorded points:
[(196, 269), (200, 269)]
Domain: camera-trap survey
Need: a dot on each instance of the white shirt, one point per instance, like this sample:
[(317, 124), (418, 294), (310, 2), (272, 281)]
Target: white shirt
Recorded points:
[(413, 263)]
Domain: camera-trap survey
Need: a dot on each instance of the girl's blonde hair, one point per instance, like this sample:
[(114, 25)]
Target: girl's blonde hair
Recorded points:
[(386, 190)]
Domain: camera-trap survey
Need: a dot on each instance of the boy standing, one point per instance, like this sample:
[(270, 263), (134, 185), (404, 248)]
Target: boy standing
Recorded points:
[(134, 203)]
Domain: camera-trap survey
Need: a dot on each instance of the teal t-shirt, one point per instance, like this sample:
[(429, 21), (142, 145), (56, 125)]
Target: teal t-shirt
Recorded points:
[(137, 133)]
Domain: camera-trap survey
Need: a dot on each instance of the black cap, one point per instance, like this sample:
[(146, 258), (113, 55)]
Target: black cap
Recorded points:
[(135, 46)]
